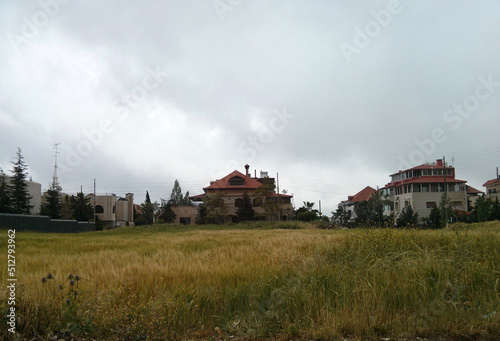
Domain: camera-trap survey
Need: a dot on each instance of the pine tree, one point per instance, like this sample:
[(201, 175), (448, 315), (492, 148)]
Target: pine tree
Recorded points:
[(176, 197), (148, 209), (201, 217), (81, 207), (407, 218), (4, 194), (51, 205), (245, 211), (167, 214), (19, 195), (436, 221)]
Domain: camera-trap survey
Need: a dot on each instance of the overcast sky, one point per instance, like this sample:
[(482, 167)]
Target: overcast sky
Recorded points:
[(332, 95)]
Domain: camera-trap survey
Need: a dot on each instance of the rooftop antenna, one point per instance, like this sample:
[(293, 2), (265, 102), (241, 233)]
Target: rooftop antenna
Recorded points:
[(55, 179)]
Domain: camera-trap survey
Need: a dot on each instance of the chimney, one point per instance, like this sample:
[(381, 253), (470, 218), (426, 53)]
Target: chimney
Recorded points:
[(246, 169), (439, 162)]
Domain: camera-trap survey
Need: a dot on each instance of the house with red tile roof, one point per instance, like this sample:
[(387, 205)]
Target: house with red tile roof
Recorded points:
[(235, 184), (363, 195), (472, 196), (493, 188), (423, 186)]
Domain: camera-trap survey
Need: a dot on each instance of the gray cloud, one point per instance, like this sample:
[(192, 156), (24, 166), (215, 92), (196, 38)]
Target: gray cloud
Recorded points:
[(222, 81)]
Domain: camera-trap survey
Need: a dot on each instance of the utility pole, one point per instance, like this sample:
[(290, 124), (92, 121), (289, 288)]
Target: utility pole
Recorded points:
[(278, 188), (94, 203), (445, 193)]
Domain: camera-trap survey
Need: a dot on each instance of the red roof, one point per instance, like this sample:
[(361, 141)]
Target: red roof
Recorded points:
[(491, 182), (423, 166), (363, 195), (250, 183), (423, 180), (472, 190), (431, 179)]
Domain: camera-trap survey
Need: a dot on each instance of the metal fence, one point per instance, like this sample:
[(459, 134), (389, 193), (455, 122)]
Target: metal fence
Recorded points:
[(43, 224)]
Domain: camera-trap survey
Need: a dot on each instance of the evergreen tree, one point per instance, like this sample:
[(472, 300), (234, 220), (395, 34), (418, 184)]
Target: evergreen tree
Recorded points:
[(202, 215), (436, 221), (245, 211), (176, 197), (267, 196), (19, 196), (167, 214), (341, 216), (407, 218), (446, 208), (51, 205), (81, 208), (4, 194), (148, 209), (482, 210), (495, 210), (216, 208)]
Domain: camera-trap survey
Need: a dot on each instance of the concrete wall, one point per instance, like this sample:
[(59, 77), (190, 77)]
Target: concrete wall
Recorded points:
[(418, 201), (493, 191), (185, 214)]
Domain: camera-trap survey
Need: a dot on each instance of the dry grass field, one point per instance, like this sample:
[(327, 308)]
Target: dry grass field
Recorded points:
[(257, 281)]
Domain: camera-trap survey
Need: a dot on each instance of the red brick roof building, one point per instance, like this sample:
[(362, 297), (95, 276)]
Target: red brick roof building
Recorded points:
[(423, 186), (232, 187)]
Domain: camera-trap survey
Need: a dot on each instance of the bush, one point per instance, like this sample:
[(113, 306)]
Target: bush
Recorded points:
[(307, 216), (407, 218)]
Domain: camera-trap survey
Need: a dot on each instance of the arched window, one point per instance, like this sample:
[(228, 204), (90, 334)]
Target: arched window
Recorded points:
[(99, 209)]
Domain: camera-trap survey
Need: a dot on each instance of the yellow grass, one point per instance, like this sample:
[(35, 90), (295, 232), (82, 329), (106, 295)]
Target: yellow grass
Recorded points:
[(169, 283)]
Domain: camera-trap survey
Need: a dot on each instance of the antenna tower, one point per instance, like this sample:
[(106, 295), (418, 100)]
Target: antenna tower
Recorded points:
[(55, 179)]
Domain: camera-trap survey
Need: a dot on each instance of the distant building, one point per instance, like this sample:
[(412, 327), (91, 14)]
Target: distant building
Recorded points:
[(234, 185), (363, 195), (112, 210), (472, 196), (185, 214), (493, 188), (423, 186)]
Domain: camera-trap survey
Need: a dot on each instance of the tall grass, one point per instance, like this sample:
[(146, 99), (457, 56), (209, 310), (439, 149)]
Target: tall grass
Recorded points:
[(280, 281)]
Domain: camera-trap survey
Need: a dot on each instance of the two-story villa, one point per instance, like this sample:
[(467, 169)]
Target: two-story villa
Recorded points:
[(232, 187)]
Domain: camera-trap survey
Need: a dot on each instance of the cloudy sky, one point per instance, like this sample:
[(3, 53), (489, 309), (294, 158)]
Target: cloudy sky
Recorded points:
[(332, 95)]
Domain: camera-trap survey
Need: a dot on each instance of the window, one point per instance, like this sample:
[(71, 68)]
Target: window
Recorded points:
[(430, 204), (99, 209), (238, 202), (457, 205), (236, 181), (257, 202), (396, 206), (185, 220)]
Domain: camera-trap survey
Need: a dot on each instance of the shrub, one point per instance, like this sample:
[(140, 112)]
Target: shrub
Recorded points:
[(307, 216)]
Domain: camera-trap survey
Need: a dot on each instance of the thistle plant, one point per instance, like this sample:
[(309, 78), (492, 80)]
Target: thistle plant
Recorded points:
[(70, 302)]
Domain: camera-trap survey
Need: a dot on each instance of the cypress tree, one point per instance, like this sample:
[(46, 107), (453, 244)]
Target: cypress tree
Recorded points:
[(19, 195)]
